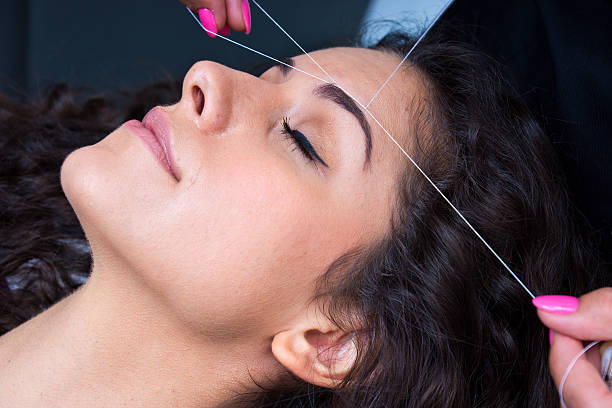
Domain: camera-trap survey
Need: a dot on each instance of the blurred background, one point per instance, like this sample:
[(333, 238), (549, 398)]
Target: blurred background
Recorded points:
[(115, 44)]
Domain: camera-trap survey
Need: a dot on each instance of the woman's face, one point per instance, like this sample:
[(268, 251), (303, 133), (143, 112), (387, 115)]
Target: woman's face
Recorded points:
[(234, 246)]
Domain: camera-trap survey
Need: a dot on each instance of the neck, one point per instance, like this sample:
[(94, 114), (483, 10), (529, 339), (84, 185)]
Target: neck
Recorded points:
[(111, 343)]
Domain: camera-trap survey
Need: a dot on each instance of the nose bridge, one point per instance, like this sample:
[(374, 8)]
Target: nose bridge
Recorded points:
[(226, 94)]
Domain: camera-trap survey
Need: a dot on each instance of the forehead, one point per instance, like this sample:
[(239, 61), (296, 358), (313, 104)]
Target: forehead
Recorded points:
[(361, 72)]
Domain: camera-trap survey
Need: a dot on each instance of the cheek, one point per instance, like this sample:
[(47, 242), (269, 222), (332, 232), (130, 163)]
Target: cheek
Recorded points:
[(247, 247)]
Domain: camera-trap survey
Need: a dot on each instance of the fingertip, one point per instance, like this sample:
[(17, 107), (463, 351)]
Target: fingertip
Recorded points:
[(207, 19), (235, 16), (225, 31), (556, 304), (246, 13)]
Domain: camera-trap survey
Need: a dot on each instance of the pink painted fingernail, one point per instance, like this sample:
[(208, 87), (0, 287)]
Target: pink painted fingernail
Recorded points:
[(225, 31), (557, 304), (208, 21), (551, 336), (246, 13)]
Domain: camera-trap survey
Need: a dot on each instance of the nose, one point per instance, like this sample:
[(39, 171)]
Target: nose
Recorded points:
[(212, 93)]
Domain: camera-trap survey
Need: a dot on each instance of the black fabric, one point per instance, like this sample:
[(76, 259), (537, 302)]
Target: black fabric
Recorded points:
[(559, 54)]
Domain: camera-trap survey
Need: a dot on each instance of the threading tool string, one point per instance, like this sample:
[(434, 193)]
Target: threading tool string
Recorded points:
[(573, 362), (251, 49), (587, 348), (435, 20), (381, 126), (295, 42), (569, 369)]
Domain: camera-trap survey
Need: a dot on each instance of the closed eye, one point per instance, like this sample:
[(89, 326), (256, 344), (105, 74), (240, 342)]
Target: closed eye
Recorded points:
[(302, 143)]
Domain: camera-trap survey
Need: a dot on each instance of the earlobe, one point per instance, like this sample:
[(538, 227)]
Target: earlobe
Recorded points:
[(320, 358)]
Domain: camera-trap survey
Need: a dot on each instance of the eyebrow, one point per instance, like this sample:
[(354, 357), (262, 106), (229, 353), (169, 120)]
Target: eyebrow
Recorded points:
[(284, 68), (338, 96)]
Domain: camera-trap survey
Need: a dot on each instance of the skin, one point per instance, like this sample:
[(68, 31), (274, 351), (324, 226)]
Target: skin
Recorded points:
[(199, 284), (592, 321)]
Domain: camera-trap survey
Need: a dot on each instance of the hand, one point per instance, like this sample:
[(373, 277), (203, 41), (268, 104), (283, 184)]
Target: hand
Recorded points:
[(219, 16), (572, 321)]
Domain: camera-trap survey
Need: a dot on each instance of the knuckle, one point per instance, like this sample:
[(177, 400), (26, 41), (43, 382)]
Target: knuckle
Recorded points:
[(605, 298)]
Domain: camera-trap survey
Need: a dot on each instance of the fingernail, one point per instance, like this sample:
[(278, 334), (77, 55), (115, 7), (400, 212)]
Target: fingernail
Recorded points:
[(208, 21), (225, 31), (557, 304), (551, 336), (246, 13)]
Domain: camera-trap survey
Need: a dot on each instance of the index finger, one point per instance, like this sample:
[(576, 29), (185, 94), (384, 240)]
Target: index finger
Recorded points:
[(217, 7), (591, 321), (583, 387), (239, 15)]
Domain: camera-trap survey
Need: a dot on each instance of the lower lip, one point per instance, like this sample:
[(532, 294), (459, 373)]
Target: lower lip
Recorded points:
[(151, 142)]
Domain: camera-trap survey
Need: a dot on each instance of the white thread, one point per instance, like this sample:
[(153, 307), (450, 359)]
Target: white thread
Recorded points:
[(573, 362), (435, 20), (389, 135), (251, 49), (397, 144), (453, 207), (570, 367), (291, 38)]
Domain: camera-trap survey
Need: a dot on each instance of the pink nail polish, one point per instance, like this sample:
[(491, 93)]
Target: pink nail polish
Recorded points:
[(246, 13), (208, 21), (225, 31), (551, 336), (557, 304)]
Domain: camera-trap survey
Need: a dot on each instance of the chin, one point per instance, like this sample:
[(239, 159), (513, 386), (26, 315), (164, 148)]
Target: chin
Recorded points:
[(81, 178), (121, 196), (110, 177), (78, 178)]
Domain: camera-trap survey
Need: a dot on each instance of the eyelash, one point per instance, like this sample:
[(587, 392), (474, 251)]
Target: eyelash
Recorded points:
[(301, 142)]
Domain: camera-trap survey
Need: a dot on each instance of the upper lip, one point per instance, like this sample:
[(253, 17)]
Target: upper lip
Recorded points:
[(157, 122)]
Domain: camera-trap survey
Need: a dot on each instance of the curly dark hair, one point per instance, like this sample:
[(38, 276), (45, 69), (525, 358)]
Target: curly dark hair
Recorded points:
[(438, 322)]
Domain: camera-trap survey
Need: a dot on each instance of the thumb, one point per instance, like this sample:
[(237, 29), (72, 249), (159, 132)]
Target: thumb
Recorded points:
[(586, 318)]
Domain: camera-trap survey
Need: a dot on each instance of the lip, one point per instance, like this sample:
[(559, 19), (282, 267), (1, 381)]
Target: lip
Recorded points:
[(155, 132)]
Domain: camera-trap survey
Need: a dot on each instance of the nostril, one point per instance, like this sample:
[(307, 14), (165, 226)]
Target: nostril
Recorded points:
[(198, 99)]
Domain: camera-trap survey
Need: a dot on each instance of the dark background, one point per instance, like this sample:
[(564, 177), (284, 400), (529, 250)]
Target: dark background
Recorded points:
[(124, 43)]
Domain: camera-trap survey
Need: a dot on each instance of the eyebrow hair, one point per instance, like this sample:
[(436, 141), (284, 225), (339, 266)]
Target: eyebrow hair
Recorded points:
[(284, 68), (335, 94)]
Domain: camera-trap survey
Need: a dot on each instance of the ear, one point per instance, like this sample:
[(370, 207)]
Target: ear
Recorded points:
[(319, 355)]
